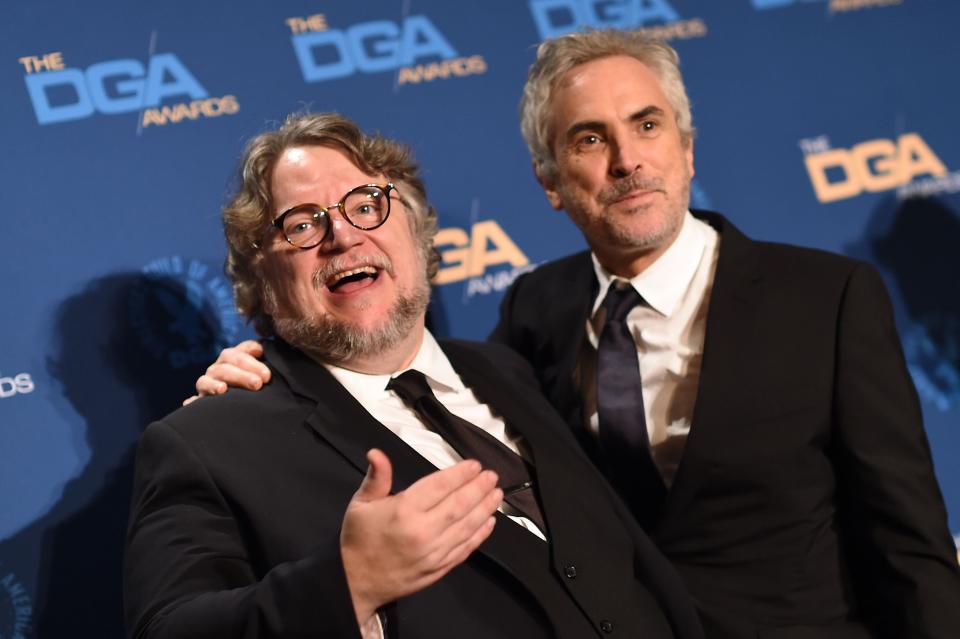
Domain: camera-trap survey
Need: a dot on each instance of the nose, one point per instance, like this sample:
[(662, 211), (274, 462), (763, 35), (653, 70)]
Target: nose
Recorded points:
[(625, 156), (342, 235)]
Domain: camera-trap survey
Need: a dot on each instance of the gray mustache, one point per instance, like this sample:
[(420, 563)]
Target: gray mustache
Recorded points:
[(344, 263), (631, 183)]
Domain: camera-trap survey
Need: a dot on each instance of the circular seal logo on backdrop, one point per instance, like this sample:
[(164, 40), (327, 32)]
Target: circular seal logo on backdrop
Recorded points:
[(15, 608), (183, 311)]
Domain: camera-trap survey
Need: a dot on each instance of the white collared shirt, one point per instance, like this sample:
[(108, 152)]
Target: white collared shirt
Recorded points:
[(669, 331), (388, 409)]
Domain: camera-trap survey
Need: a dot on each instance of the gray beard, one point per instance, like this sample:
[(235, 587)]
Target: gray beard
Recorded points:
[(335, 341), (610, 232)]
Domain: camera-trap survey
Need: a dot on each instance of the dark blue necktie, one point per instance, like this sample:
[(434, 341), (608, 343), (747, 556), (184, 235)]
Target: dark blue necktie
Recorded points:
[(623, 426), (472, 442)]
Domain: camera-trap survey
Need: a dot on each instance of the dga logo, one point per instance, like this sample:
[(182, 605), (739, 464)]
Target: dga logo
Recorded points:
[(835, 6), (414, 46), (60, 93), (11, 385), (874, 165), (182, 312), (15, 609), (468, 255), (656, 17)]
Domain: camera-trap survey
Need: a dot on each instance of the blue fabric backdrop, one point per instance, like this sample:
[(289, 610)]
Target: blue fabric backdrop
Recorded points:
[(827, 123)]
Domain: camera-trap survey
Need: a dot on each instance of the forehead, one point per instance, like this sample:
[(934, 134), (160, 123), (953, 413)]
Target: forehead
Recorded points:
[(611, 87), (315, 174)]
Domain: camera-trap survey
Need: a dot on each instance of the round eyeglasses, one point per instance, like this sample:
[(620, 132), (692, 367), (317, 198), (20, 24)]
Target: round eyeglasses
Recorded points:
[(365, 207)]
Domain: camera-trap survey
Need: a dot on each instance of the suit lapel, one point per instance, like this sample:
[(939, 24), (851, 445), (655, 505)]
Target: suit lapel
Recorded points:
[(557, 459), (346, 426), (729, 333), (341, 421), (568, 327)]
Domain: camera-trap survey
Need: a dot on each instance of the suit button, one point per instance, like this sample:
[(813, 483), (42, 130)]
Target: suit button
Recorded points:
[(606, 626), (570, 571)]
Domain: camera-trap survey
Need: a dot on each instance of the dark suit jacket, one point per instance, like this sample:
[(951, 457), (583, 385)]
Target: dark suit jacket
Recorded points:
[(805, 504), (238, 502)]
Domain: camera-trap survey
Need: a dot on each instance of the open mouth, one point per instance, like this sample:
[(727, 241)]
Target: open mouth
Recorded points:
[(352, 279)]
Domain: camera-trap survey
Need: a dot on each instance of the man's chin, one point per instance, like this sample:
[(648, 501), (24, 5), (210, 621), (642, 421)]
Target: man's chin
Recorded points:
[(335, 341)]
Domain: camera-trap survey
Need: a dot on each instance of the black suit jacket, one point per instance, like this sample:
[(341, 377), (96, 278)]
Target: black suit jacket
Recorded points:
[(805, 504), (238, 502)]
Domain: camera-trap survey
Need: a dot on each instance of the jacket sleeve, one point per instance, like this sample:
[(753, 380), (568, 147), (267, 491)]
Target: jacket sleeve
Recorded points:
[(187, 572), (893, 518)]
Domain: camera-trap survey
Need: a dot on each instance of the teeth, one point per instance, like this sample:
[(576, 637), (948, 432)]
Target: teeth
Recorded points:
[(369, 270)]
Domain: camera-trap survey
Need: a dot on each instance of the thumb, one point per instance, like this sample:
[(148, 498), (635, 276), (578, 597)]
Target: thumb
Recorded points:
[(379, 478)]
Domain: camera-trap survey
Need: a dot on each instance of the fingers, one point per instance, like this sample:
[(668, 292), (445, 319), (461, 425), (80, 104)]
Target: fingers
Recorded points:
[(429, 491), (207, 385), (378, 480), (250, 347), (236, 366), (245, 357), (458, 554), (463, 520)]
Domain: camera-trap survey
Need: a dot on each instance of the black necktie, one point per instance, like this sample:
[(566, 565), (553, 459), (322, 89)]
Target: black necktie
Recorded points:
[(472, 442), (623, 426)]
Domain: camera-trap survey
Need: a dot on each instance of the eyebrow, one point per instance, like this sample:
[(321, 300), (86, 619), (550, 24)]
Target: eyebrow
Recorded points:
[(596, 125)]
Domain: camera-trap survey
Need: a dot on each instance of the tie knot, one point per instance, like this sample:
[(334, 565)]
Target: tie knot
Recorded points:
[(411, 386), (620, 301)]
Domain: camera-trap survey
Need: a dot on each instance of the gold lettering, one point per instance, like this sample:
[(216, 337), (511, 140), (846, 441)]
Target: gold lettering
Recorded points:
[(315, 22), (837, 6), (884, 172), (153, 116), (229, 104), (410, 74), (460, 67), (916, 158), (817, 165), (477, 64), (208, 108), (682, 29), (874, 165), (457, 258), (463, 256), (46, 62), (504, 249)]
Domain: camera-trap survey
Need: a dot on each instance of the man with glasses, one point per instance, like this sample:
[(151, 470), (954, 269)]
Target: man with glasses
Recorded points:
[(748, 400), (383, 484)]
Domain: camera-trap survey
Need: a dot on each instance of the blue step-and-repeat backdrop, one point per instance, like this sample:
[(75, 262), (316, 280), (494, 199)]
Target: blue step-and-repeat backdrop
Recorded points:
[(827, 123)]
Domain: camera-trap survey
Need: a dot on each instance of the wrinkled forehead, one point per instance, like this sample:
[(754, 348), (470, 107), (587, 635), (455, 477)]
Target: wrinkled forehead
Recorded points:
[(315, 174)]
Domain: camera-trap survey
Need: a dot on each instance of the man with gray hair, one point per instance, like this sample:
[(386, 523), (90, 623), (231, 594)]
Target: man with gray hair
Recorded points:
[(748, 400), (383, 484)]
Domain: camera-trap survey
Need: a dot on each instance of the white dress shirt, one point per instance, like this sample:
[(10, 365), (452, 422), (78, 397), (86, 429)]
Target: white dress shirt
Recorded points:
[(388, 409), (669, 331)]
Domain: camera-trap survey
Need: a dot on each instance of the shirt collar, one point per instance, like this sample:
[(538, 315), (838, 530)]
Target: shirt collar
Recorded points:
[(664, 283), (430, 360)]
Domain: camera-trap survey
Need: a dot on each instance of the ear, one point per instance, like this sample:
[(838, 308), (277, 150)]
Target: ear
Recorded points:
[(549, 184), (690, 157)]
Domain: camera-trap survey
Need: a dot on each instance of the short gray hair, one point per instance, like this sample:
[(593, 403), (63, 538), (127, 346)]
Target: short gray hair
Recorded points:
[(557, 56)]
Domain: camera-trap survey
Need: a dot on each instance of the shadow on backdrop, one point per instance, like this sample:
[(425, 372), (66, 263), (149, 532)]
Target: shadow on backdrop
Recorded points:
[(915, 241), (127, 351)]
